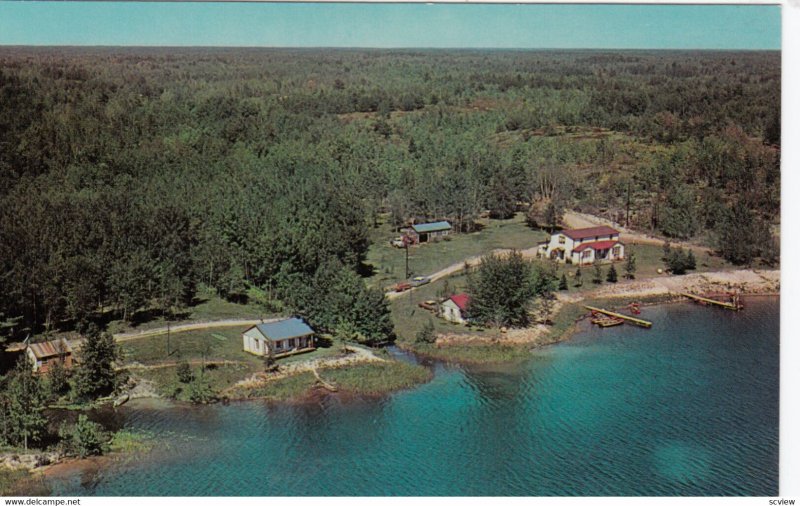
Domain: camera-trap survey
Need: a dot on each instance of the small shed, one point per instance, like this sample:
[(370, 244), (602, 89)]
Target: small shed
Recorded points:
[(455, 309), (424, 232), (43, 356), (281, 338)]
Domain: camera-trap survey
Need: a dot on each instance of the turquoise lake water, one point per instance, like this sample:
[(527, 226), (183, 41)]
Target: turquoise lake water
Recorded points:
[(689, 407)]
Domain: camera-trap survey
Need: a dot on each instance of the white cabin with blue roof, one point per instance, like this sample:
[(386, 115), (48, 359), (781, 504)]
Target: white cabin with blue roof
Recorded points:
[(282, 338)]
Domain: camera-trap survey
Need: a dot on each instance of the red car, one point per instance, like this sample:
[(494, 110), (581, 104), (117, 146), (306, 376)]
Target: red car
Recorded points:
[(402, 287)]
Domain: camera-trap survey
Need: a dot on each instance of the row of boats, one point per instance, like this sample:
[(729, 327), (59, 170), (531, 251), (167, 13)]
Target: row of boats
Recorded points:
[(603, 318)]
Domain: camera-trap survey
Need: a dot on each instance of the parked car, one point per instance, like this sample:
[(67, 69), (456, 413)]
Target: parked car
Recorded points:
[(430, 305), (397, 242), (402, 286), (419, 281)]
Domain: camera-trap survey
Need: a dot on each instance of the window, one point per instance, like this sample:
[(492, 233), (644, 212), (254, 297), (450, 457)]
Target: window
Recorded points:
[(562, 239), (587, 253), (616, 251)]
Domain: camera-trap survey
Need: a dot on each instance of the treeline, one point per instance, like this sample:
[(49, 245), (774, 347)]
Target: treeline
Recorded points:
[(130, 176)]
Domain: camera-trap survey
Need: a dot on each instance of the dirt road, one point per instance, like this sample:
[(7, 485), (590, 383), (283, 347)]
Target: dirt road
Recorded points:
[(185, 327)]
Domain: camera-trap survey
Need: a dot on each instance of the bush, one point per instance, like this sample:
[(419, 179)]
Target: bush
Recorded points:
[(200, 392), (427, 333), (58, 379), (678, 261), (184, 372), (84, 438), (612, 274)]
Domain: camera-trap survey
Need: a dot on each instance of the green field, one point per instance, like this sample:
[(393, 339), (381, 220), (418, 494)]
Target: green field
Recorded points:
[(389, 262), (207, 306), (216, 344)]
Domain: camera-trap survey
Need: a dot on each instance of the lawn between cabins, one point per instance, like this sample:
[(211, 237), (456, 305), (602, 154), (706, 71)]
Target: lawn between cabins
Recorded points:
[(409, 318), (389, 262), (227, 364)]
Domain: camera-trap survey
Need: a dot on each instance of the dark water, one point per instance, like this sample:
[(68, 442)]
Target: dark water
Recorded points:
[(689, 407)]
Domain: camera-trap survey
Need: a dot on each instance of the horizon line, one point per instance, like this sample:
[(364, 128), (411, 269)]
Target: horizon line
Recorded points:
[(381, 48)]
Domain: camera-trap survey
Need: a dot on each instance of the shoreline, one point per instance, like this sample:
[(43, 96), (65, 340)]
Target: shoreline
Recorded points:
[(463, 348), (570, 311)]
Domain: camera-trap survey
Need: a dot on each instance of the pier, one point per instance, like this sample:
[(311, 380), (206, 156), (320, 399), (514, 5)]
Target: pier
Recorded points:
[(631, 319), (734, 306)]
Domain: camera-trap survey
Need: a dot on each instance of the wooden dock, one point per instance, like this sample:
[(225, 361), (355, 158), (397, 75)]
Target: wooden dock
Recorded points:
[(631, 319), (734, 306)]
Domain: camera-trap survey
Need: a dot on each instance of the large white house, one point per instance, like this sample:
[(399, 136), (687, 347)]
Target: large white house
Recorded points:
[(583, 246)]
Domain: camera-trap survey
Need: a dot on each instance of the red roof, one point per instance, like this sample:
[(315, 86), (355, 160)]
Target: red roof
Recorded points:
[(583, 233), (461, 300), (595, 245)]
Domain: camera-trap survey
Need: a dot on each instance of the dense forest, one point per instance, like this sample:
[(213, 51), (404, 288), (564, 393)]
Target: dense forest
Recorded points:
[(128, 177)]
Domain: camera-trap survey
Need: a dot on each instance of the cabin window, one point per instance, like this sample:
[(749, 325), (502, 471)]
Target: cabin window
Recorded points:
[(562, 239), (586, 253), (616, 250)]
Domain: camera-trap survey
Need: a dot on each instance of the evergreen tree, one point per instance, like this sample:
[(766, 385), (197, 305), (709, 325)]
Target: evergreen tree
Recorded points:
[(578, 277), (597, 274), (562, 284), (95, 375), (546, 305), (630, 266), (502, 289), (58, 379), (691, 262), (84, 438), (611, 277), (501, 201), (23, 403)]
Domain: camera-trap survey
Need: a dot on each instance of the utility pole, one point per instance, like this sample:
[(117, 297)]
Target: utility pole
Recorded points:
[(628, 205), (406, 248)]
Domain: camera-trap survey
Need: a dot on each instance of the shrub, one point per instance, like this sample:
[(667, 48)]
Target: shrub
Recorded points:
[(612, 274), (84, 438), (427, 333), (200, 392), (184, 372)]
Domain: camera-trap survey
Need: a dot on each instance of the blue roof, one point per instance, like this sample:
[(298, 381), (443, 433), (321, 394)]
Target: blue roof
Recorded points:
[(431, 227), (284, 329)]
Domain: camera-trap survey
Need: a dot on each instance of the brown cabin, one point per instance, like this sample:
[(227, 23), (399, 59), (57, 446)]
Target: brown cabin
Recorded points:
[(43, 355)]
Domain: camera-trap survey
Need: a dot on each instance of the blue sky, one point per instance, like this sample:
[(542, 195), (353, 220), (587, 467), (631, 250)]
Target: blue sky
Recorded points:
[(391, 25)]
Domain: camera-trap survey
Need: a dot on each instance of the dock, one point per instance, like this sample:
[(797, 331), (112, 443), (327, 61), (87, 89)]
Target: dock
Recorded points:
[(734, 306), (631, 319)]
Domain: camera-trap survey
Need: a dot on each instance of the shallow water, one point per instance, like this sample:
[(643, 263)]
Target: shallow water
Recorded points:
[(689, 407)]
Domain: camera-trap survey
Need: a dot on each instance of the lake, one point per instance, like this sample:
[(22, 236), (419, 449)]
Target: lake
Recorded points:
[(689, 407)]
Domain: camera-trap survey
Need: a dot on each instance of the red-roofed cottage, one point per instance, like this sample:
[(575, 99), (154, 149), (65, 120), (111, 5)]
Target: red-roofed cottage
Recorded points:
[(454, 309), (584, 245)]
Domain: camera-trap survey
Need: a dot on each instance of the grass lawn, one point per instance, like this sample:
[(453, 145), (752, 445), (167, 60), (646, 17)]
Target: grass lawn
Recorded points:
[(365, 378), (648, 261), (207, 307), (218, 377), (389, 262), (376, 377), (219, 344)]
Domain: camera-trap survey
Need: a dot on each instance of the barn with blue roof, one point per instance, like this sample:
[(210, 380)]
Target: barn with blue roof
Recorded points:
[(280, 338), (424, 232)]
